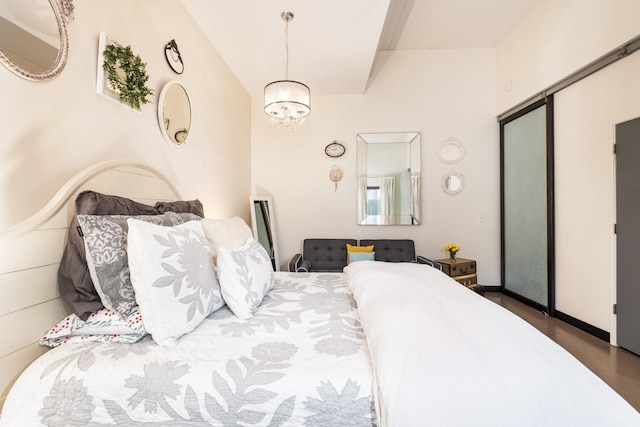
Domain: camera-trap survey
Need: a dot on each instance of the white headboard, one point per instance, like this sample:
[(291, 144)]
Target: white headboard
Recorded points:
[(31, 250)]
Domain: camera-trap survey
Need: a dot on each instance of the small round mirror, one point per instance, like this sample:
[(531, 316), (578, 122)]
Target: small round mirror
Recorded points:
[(33, 38), (452, 182), (450, 151), (174, 113)]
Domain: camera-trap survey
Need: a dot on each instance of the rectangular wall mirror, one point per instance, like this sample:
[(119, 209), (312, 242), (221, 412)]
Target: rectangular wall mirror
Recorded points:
[(389, 180), (264, 227)]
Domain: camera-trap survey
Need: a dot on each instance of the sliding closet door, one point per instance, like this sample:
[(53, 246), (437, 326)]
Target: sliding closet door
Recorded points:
[(526, 151)]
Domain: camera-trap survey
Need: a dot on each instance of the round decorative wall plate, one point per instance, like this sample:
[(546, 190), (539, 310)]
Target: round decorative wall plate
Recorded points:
[(335, 149)]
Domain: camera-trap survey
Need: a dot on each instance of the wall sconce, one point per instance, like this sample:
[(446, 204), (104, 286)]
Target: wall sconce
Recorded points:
[(174, 59)]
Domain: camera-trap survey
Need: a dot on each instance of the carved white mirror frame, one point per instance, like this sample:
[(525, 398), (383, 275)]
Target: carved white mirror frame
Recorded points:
[(63, 12), (450, 151)]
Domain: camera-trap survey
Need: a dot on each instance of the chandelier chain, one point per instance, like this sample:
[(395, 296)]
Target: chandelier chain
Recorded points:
[(286, 48)]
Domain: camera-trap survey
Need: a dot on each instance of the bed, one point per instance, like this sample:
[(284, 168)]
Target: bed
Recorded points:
[(387, 344)]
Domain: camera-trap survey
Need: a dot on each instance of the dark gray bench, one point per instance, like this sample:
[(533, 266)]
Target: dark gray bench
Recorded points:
[(330, 255)]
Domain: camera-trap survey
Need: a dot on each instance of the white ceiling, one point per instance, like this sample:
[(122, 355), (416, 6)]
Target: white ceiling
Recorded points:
[(333, 43)]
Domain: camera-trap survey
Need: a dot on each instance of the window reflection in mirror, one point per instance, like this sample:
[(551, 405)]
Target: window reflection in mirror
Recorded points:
[(389, 182), (452, 182)]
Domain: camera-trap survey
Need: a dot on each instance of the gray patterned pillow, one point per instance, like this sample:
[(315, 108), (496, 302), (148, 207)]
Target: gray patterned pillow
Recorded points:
[(105, 242), (173, 278), (181, 218)]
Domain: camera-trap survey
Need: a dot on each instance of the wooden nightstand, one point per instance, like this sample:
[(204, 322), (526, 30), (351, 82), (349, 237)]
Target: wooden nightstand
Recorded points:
[(462, 271)]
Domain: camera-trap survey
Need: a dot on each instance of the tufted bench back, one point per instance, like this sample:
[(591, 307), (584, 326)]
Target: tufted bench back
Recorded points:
[(326, 254), (392, 250)]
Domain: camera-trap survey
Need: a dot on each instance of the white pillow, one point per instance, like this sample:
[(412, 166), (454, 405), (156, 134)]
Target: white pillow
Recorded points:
[(173, 278), (245, 276), (230, 233)]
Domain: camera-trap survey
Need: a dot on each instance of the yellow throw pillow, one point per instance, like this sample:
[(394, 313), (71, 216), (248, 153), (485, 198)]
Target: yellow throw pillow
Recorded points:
[(352, 248)]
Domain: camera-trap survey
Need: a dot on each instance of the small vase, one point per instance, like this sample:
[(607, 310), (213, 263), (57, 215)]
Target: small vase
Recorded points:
[(452, 256)]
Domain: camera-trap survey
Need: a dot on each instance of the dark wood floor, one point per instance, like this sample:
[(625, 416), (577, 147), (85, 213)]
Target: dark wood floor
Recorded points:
[(617, 367)]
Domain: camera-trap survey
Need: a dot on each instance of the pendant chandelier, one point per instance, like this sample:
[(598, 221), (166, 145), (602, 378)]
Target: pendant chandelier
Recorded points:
[(286, 102)]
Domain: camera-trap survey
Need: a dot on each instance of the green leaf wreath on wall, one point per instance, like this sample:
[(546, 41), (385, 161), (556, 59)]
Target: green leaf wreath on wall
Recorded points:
[(126, 75)]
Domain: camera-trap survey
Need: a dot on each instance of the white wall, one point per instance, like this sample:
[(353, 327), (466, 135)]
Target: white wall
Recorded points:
[(586, 115), (442, 94), (54, 129), (555, 39)]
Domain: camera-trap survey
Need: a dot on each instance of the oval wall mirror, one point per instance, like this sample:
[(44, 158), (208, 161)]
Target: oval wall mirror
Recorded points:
[(452, 182), (174, 113), (450, 151), (33, 38)]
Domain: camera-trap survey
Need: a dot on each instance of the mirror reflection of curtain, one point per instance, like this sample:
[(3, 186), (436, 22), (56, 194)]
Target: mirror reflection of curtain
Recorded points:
[(393, 154), (362, 197), (415, 198), (387, 197)]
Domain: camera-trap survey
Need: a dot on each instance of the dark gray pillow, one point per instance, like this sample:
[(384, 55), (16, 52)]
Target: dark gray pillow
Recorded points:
[(190, 206), (94, 203), (74, 281)]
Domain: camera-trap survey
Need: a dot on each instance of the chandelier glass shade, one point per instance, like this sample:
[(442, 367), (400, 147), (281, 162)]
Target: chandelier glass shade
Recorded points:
[(286, 102)]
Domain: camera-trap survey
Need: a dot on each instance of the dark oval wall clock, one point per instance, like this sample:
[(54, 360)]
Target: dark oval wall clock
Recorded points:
[(335, 149)]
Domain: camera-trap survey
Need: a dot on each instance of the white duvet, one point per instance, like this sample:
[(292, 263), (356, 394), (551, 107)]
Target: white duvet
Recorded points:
[(444, 356)]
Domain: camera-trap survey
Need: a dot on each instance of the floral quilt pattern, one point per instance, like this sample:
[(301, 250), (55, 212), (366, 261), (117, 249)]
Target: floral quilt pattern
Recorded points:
[(300, 361)]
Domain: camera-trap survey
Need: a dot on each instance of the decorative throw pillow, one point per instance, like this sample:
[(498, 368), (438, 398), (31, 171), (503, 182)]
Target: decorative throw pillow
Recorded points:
[(173, 278), (361, 256), (229, 233), (105, 242), (246, 275), (74, 279), (352, 248)]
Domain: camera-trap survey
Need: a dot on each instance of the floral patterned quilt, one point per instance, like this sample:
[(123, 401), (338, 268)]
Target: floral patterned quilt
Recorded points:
[(301, 360)]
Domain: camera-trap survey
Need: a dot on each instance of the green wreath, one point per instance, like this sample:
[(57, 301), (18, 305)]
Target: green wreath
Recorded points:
[(126, 75)]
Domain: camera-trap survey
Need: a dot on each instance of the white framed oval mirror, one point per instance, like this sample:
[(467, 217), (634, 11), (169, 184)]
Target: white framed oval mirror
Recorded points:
[(174, 113), (452, 182), (33, 38), (450, 151)]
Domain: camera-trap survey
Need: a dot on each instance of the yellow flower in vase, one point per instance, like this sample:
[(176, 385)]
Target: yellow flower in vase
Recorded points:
[(453, 249)]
